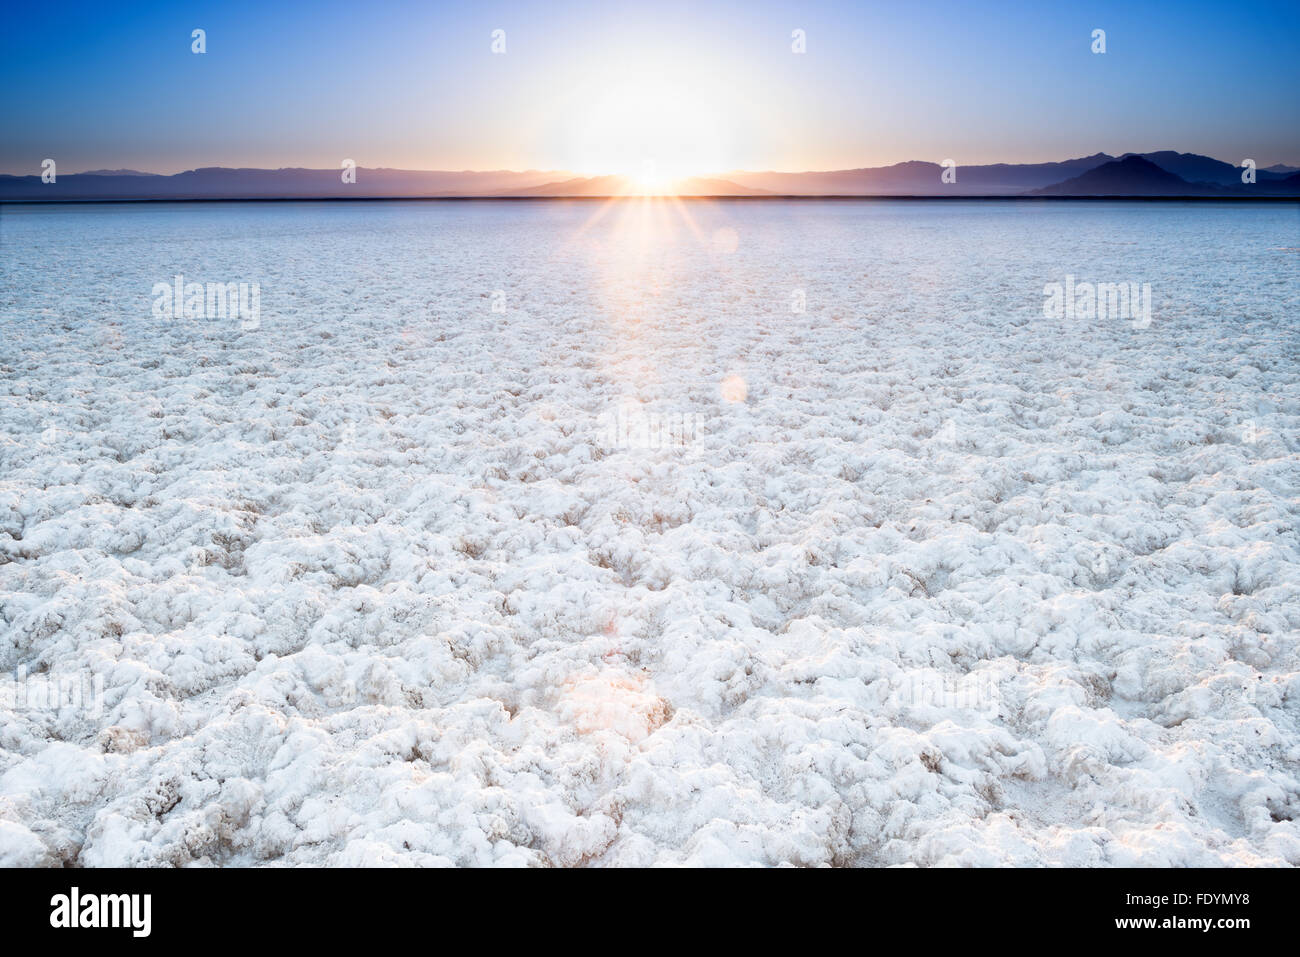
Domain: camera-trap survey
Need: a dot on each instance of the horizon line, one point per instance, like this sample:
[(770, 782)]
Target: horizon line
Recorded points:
[(127, 171), (662, 197)]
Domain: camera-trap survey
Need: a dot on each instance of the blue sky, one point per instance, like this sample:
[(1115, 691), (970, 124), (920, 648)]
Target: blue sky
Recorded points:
[(695, 87)]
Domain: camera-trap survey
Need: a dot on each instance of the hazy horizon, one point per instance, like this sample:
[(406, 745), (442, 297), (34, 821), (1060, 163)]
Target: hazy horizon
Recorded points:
[(705, 174)]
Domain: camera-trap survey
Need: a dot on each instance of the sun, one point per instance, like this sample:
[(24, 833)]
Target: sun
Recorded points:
[(652, 130), (648, 180)]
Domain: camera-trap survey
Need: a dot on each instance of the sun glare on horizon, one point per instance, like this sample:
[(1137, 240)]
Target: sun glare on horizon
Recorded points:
[(652, 130), (648, 179)]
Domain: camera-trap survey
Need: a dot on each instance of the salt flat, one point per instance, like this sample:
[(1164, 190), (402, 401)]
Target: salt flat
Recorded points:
[(406, 571)]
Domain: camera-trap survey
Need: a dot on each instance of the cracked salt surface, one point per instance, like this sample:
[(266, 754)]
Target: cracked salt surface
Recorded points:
[(935, 580)]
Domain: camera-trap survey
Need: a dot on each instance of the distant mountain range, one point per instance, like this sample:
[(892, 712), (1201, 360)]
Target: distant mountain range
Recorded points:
[(915, 178), (1130, 176), (219, 182), (1172, 174), (1165, 173)]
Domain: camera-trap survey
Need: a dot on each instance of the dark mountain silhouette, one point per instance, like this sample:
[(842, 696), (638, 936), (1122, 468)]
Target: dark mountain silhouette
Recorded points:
[(1282, 168), (1131, 176), (1281, 186), (1202, 169), (1136, 175)]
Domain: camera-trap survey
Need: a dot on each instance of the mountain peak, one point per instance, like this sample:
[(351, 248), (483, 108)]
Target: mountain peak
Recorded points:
[(1130, 175)]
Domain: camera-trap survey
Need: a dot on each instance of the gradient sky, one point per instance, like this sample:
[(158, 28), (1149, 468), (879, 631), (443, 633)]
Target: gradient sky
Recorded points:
[(693, 86)]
